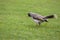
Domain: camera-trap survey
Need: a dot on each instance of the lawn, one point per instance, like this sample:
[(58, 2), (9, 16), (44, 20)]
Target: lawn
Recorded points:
[(16, 25)]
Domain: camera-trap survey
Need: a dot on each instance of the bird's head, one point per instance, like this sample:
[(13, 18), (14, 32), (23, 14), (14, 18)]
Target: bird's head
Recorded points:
[(29, 14)]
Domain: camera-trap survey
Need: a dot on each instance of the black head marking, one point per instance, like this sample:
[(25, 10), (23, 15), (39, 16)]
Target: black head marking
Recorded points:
[(29, 15)]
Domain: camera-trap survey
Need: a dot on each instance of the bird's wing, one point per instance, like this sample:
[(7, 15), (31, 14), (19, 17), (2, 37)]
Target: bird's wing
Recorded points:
[(37, 21), (38, 17)]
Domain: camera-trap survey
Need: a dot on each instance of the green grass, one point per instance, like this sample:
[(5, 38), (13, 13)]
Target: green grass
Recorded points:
[(16, 25)]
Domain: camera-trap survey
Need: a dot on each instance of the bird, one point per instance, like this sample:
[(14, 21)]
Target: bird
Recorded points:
[(39, 18)]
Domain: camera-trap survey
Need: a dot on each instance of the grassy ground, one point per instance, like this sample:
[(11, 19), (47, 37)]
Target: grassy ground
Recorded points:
[(16, 25)]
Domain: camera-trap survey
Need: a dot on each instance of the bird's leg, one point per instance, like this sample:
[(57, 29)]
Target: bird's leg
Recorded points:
[(39, 23)]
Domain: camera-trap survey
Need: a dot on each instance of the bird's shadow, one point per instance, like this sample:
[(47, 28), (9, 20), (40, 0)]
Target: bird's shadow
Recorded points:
[(35, 26)]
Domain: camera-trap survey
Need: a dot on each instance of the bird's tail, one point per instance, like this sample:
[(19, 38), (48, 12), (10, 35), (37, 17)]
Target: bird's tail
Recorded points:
[(51, 16)]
